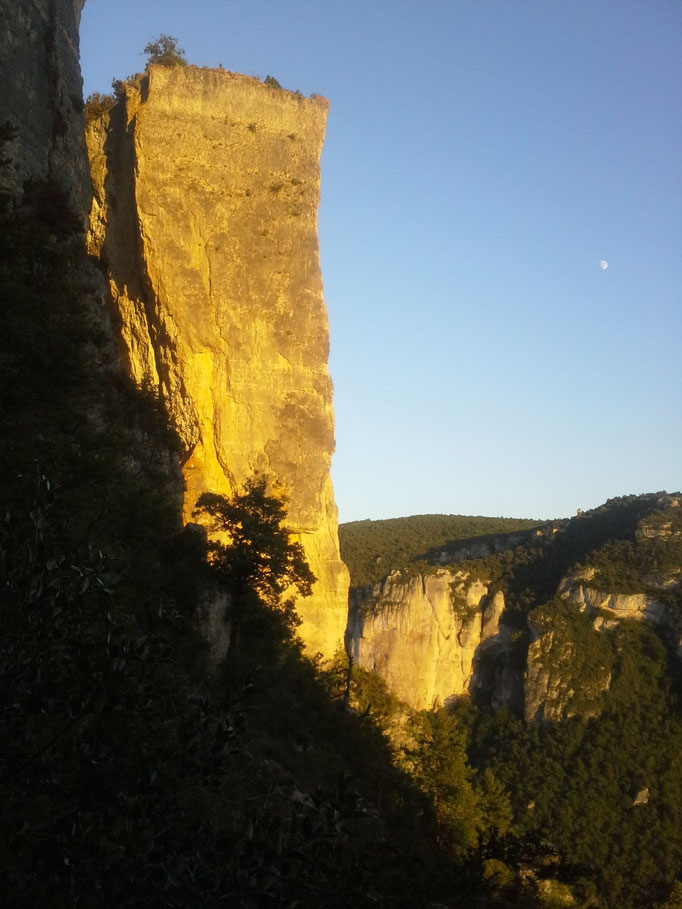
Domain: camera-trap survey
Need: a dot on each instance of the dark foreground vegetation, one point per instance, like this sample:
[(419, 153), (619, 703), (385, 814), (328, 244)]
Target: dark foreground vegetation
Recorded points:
[(134, 774), (130, 773)]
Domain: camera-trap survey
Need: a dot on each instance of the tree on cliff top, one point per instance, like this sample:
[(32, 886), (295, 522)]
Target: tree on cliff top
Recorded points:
[(165, 51)]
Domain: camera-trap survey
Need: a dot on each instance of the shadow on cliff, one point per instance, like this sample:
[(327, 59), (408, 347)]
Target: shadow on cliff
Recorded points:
[(129, 775), (121, 256)]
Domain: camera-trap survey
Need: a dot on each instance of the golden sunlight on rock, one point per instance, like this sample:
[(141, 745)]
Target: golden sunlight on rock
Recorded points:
[(206, 189)]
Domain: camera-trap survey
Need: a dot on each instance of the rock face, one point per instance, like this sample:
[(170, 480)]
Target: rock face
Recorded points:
[(611, 607), (205, 214), (421, 633), (41, 102), (557, 683)]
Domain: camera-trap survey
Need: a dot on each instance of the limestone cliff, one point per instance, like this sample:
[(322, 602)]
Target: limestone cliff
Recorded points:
[(566, 672), (422, 633), (608, 608), (41, 102), (205, 215)]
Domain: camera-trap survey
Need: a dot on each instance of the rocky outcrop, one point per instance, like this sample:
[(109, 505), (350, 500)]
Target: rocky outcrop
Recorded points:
[(561, 679), (609, 608), (41, 103), (206, 191), (421, 633), (482, 547)]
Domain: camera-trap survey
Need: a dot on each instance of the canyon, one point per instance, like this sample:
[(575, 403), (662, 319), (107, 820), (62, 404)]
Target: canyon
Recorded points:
[(201, 202)]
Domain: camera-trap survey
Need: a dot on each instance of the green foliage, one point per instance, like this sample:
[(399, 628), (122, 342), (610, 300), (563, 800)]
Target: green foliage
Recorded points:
[(97, 728), (572, 785), (271, 82), (253, 554), (580, 656), (635, 566), (372, 549), (371, 697), (462, 609), (96, 105), (439, 764), (164, 51), (549, 814)]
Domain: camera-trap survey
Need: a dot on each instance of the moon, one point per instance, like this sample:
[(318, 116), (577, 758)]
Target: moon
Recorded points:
[(603, 264)]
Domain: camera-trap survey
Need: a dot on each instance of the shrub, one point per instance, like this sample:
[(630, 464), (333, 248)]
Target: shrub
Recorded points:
[(96, 105), (165, 52)]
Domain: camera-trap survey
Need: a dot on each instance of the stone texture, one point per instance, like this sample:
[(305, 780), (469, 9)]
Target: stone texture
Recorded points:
[(42, 99), (609, 608), (617, 606), (490, 545), (205, 214), (408, 631), (553, 689)]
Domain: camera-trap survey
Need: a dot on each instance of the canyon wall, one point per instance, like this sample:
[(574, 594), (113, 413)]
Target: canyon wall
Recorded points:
[(206, 187), (433, 637), (422, 633), (41, 102)]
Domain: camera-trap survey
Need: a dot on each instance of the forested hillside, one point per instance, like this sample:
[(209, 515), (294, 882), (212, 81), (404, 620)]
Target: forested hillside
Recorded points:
[(372, 549)]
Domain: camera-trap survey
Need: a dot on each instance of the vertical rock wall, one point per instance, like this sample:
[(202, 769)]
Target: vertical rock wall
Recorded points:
[(205, 214), (41, 101), (412, 634)]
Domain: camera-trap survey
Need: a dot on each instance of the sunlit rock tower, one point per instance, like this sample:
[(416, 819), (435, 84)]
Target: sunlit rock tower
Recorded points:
[(205, 216)]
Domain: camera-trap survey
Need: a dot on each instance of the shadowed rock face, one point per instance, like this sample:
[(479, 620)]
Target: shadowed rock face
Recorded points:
[(42, 99), (205, 215)]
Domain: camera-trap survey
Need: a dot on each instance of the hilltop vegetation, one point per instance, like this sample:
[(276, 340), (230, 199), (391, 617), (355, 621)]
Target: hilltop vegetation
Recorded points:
[(371, 549)]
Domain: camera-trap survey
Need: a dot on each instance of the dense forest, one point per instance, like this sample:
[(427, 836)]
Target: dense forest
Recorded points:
[(372, 549)]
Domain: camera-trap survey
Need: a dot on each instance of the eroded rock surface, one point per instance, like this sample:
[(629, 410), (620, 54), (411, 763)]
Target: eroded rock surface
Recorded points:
[(41, 102), (205, 214), (612, 606), (559, 682), (421, 633)]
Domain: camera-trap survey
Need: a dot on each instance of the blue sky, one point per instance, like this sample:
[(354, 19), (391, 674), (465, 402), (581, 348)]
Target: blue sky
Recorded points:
[(481, 158)]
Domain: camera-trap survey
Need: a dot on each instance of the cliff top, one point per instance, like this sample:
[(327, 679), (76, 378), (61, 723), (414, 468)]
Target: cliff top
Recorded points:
[(175, 79)]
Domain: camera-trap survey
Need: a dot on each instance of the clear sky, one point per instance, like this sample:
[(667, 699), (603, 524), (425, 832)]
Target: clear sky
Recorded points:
[(482, 158)]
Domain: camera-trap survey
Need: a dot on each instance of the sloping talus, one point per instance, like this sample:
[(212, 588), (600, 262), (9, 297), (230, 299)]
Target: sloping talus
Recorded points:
[(205, 213)]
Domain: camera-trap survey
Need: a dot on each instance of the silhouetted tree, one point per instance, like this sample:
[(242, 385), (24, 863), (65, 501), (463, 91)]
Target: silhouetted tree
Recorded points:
[(254, 556)]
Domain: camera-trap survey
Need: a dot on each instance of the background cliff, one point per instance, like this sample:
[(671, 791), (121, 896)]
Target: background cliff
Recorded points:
[(205, 212), (567, 694), (524, 619)]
